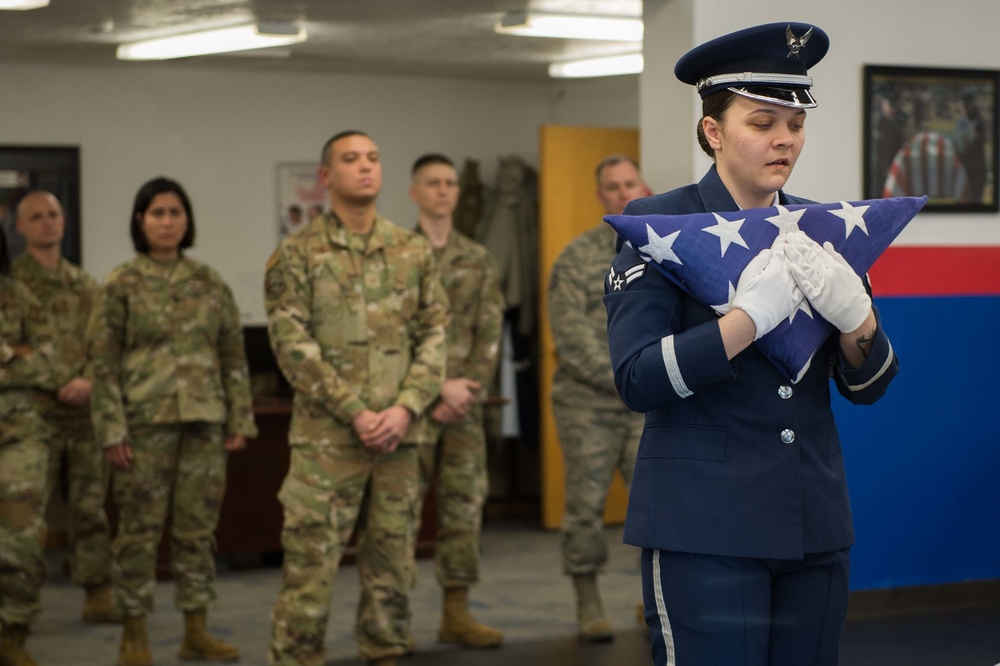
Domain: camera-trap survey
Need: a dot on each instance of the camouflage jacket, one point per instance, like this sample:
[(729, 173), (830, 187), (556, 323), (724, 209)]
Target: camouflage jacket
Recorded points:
[(67, 294), (471, 278), (355, 325), (167, 347), (579, 321), (23, 322)]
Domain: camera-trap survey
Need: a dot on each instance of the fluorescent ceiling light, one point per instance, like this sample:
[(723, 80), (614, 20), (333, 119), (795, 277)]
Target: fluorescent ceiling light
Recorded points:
[(23, 4), (206, 42), (630, 63), (571, 26)]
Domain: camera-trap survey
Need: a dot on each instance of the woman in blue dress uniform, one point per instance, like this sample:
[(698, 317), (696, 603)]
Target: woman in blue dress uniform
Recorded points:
[(738, 499)]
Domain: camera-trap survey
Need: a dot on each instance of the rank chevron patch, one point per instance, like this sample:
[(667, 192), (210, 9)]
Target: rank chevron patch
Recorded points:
[(621, 280)]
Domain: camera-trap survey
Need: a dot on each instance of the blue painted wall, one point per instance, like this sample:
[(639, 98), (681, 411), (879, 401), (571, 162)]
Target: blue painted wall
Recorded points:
[(923, 464)]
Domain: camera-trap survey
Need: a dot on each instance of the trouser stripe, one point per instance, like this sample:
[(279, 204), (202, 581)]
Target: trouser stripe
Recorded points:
[(661, 611)]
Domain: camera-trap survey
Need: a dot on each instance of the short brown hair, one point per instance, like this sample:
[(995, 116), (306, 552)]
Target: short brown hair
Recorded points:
[(324, 156), (430, 158), (612, 160)]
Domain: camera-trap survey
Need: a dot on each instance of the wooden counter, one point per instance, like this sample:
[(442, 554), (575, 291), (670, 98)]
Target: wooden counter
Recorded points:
[(251, 516)]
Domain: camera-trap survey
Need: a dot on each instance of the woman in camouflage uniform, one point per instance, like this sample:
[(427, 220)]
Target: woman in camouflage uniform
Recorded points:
[(171, 397), (26, 367)]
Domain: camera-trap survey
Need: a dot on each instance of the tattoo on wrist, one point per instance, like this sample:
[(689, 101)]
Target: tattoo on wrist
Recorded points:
[(864, 342)]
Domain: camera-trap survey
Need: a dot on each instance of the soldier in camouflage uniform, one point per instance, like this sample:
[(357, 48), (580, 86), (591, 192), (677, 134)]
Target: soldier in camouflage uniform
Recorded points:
[(171, 397), (27, 371), (458, 455), (67, 293), (357, 319), (597, 432)]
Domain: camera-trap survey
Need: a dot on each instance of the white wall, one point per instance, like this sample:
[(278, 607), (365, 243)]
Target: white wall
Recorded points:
[(221, 132), (666, 107), (605, 102), (957, 33)]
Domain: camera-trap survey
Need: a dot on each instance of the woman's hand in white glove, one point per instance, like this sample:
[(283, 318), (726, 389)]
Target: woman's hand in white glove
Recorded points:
[(766, 290), (828, 282)]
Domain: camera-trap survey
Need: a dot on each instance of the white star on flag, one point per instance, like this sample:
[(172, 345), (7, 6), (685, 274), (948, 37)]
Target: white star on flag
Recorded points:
[(727, 307), (803, 307), (786, 220), (661, 248), (728, 232), (853, 216)]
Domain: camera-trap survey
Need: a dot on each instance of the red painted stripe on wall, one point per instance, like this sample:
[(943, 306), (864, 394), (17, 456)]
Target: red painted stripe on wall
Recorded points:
[(937, 271)]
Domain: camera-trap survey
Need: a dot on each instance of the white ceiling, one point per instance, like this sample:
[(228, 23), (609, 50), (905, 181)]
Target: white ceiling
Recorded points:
[(427, 37)]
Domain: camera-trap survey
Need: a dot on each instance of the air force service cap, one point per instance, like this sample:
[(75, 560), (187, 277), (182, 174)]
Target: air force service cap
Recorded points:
[(767, 62)]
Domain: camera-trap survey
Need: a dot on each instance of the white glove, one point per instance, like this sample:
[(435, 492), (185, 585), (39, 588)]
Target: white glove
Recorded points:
[(766, 290), (828, 282)]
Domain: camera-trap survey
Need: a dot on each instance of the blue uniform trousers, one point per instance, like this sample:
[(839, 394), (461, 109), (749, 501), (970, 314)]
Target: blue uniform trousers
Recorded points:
[(707, 610)]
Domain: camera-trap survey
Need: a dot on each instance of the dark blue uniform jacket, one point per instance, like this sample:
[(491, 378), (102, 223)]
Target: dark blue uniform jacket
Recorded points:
[(715, 475)]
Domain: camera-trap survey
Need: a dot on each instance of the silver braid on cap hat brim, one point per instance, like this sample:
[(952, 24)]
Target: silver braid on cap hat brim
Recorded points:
[(755, 78)]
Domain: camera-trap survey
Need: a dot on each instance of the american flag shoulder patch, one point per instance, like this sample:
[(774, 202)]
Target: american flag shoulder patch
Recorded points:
[(619, 280)]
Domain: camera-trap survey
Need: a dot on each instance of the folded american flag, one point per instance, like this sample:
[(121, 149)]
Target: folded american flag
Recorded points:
[(704, 254)]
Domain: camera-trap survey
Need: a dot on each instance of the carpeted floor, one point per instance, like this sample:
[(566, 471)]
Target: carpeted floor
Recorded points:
[(523, 592)]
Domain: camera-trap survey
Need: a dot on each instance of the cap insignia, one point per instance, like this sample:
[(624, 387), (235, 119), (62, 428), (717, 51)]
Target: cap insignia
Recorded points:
[(796, 44)]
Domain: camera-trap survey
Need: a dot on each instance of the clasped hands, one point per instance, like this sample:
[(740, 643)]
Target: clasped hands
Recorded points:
[(382, 431), (775, 282), (458, 397)]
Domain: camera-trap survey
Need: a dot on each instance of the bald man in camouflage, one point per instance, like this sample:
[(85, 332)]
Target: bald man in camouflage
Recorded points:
[(597, 432), (67, 293), (27, 372)]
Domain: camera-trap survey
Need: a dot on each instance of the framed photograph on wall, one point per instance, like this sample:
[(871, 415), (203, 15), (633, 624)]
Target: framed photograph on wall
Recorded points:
[(301, 196), (932, 131), (55, 169)]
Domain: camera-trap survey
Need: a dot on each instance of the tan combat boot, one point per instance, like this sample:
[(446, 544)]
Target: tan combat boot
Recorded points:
[(99, 605), (12, 651), (594, 627), (134, 650), (458, 626), (199, 645)]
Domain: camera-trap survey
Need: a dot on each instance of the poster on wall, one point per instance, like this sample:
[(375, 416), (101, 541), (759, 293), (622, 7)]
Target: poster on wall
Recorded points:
[(54, 169), (301, 196), (932, 131)]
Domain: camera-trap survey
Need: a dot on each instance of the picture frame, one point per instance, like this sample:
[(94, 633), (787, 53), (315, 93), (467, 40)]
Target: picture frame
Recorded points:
[(301, 196), (932, 131), (55, 169)]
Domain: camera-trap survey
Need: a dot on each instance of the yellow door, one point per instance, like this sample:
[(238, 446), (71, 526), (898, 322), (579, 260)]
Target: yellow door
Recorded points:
[(568, 206)]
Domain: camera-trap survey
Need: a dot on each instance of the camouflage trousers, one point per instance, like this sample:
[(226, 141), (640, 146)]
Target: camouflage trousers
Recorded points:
[(456, 464), (180, 468), (595, 442), (72, 444), (330, 489), (24, 454)]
